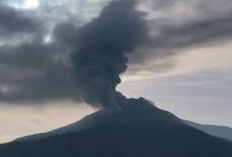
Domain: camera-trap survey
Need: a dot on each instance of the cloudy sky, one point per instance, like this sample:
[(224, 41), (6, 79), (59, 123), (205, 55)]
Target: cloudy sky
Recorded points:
[(185, 67)]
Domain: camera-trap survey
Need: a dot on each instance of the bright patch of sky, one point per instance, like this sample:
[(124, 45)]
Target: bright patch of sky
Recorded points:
[(18, 124), (24, 4)]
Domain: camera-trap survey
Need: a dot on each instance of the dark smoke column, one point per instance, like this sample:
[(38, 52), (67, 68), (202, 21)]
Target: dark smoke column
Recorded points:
[(103, 48)]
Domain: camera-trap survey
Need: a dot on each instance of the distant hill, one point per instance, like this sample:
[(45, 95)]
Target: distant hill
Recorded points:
[(140, 130), (217, 131)]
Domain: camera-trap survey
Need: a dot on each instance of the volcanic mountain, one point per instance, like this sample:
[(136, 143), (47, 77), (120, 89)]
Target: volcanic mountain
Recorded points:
[(140, 129)]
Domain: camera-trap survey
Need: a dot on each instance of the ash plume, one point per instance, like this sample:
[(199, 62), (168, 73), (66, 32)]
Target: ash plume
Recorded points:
[(35, 49), (99, 55), (103, 48)]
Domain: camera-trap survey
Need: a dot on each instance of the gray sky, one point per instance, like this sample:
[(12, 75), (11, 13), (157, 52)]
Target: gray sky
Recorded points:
[(187, 70)]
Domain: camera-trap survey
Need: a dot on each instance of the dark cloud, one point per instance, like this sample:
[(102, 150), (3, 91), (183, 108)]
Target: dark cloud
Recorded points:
[(53, 84), (101, 48), (171, 39), (198, 33), (67, 33), (30, 55), (36, 71), (13, 21)]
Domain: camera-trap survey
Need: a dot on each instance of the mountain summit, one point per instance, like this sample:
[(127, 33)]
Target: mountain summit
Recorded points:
[(140, 129), (133, 113)]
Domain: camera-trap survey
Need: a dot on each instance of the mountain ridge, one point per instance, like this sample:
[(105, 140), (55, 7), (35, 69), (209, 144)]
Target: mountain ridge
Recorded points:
[(101, 116), (223, 132), (141, 129)]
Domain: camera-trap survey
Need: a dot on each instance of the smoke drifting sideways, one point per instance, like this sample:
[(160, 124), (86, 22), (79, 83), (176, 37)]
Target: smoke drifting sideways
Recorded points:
[(99, 55), (34, 72), (103, 49)]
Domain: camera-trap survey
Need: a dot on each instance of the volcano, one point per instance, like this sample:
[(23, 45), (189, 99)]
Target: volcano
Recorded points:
[(140, 129)]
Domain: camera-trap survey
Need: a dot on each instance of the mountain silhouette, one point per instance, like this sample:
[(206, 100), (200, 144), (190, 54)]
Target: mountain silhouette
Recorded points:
[(139, 130), (223, 132)]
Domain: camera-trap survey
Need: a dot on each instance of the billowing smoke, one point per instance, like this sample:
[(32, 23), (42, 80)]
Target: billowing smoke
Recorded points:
[(35, 46), (99, 55), (103, 48)]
